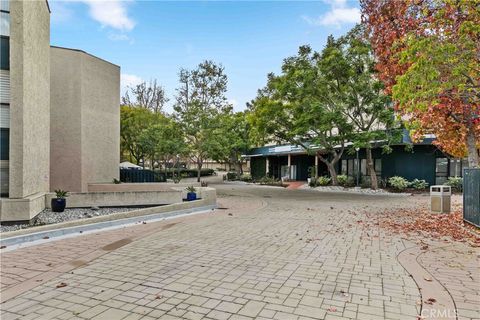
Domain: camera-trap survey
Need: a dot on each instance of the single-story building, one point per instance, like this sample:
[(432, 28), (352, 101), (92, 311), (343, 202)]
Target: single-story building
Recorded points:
[(419, 160)]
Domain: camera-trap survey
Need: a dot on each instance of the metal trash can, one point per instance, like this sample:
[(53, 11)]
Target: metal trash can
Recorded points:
[(440, 199)]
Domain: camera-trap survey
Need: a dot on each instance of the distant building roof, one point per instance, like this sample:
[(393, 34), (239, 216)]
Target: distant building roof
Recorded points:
[(285, 149)]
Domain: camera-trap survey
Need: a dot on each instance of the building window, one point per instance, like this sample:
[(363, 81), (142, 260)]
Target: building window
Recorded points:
[(456, 167), (4, 23), (350, 166), (5, 5), (441, 170), (4, 144), (4, 53), (343, 167), (378, 166), (363, 167)]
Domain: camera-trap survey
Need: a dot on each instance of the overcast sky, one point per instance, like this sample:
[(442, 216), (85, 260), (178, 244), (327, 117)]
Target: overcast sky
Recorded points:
[(154, 39)]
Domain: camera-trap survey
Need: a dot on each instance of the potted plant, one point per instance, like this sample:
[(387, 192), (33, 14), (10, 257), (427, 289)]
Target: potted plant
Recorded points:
[(59, 202), (191, 195)]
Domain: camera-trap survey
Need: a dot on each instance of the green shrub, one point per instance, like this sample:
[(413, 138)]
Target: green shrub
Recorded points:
[(323, 181), (188, 173), (342, 180), (398, 183), (61, 194), (269, 181), (350, 182), (456, 183), (232, 176), (366, 183), (246, 177), (419, 184)]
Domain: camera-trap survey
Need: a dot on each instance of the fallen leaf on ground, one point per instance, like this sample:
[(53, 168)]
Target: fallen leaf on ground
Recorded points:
[(61, 285), (3, 247), (430, 301), (332, 309), (427, 279), (46, 237)]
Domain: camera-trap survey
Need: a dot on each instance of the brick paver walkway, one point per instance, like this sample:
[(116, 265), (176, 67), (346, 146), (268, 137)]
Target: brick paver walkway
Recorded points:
[(268, 253)]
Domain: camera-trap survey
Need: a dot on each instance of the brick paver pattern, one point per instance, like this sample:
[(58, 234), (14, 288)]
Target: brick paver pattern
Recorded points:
[(268, 254)]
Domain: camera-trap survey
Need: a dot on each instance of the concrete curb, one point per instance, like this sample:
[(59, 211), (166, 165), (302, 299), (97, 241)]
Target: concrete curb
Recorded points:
[(98, 223)]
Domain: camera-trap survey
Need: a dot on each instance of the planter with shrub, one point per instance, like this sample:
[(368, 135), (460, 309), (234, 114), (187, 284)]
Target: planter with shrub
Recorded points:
[(59, 203), (191, 193)]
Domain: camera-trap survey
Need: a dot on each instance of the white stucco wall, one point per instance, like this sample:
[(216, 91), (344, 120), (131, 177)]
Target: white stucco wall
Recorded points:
[(66, 119), (85, 128), (30, 98)]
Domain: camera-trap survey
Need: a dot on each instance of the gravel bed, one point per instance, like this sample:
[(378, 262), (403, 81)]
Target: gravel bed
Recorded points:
[(354, 190), (49, 217)]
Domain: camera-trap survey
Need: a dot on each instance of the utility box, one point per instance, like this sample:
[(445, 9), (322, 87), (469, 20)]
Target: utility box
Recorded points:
[(440, 199)]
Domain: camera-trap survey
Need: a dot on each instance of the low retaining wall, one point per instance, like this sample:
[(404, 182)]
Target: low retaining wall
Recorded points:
[(118, 199), (128, 187), (207, 202)]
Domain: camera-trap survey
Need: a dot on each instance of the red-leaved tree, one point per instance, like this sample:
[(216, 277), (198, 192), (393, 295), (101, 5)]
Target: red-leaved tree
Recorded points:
[(427, 55)]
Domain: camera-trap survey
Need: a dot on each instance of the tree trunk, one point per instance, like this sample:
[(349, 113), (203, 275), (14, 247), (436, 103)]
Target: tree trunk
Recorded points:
[(473, 161), (199, 168), (331, 167), (333, 173), (371, 168)]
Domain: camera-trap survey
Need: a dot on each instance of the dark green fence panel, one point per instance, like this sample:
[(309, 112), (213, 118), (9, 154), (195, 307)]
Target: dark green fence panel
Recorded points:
[(138, 176), (471, 196)]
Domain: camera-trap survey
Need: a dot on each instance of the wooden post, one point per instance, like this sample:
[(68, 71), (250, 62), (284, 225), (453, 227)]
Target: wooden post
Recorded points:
[(267, 164), (316, 166)]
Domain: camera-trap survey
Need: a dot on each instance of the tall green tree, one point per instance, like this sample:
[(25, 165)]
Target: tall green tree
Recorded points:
[(234, 133), (162, 141), (200, 99), (324, 99), (366, 106), (133, 121), (149, 96), (299, 106)]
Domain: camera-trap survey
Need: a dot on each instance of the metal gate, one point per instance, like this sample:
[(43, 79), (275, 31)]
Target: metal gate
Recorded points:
[(471, 195)]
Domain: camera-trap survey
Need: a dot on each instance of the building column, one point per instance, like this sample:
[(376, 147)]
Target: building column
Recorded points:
[(289, 164), (267, 164), (316, 166)]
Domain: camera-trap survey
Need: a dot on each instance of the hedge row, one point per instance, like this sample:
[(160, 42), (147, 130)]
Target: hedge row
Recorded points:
[(188, 173)]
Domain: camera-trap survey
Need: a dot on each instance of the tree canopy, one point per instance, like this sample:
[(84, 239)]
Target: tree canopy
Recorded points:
[(199, 102), (427, 56), (322, 100)]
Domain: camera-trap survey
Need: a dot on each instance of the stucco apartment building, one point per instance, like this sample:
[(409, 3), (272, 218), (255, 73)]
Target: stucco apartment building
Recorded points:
[(59, 114)]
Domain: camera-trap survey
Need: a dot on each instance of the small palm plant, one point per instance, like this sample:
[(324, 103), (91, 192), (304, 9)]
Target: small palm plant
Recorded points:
[(61, 194), (191, 193), (59, 202)]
